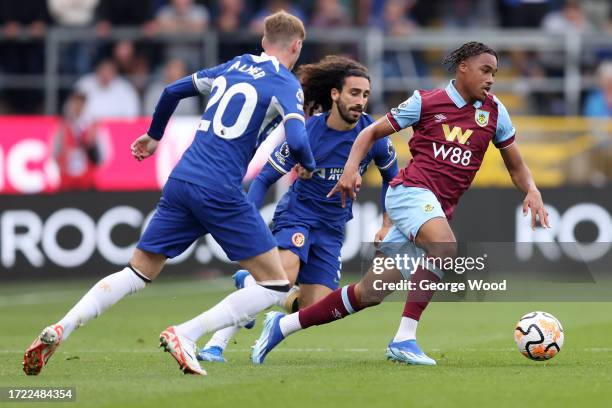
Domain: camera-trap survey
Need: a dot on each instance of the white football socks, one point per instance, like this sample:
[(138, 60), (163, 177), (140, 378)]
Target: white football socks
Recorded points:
[(222, 337), (249, 280), (101, 297), (238, 307), (407, 329), (290, 324)]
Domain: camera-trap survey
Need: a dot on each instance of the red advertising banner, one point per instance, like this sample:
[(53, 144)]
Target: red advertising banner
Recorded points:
[(25, 155), (27, 165)]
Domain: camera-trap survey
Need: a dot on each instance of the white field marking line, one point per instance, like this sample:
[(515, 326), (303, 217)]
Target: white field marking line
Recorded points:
[(169, 290), (312, 350)]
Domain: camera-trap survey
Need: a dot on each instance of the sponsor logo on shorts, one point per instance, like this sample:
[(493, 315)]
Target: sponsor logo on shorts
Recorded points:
[(298, 239), (428, 208)]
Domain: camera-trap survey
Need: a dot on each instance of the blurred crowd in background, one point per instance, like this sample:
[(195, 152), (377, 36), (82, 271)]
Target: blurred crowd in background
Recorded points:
[(125, 77), (113, 58)]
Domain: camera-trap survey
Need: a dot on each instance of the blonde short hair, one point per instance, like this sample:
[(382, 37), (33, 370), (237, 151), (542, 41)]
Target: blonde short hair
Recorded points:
[(282, 27)]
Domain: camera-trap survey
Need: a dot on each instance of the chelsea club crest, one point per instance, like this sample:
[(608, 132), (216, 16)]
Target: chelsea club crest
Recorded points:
[(482, 117)]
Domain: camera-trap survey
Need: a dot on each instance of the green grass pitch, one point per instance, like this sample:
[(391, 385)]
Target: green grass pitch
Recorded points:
[(115, 362)]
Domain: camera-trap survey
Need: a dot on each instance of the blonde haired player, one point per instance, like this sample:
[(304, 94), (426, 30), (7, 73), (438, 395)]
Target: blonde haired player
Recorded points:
[(248, 97)]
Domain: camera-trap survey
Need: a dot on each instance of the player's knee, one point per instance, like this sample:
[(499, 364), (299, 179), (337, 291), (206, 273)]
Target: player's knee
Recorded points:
[(304, 302), (148, 264), (263, 274), (265, 267), (444, 247), (309, 294)]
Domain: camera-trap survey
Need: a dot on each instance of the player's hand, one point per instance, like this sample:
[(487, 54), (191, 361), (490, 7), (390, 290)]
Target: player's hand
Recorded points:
[(384, 229), (381, 234), (533, 202), (348, 185), (302, 172), (143, 147)]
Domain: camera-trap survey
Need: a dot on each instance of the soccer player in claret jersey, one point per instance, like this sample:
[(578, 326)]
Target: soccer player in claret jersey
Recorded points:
[(249, 96), (452, 130), (309, 226)]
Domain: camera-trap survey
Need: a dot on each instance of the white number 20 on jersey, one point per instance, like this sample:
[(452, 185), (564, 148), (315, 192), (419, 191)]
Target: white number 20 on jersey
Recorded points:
[(222, 97)]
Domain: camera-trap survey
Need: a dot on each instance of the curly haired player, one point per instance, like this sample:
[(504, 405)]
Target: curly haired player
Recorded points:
[(308, 225)]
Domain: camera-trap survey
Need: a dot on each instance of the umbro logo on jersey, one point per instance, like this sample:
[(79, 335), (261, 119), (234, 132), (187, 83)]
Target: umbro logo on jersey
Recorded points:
[(440, 117)]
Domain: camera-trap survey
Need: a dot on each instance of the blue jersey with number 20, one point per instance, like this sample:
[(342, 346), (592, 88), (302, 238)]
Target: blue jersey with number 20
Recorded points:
[(249, 96)]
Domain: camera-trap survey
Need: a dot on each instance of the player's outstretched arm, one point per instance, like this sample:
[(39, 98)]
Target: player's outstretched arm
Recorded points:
[(350, 181), (259, 187), (387, 175), (169, 99), (386, 161), (280, 162), (523, 180), (146, 144)]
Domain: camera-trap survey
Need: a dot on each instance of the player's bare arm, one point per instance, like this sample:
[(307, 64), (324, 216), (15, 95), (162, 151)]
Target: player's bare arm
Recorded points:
[(350, 181), (522, 179)]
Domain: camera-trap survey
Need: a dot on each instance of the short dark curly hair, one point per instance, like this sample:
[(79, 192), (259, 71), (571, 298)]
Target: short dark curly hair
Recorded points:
[(320, 78), (467, 50)]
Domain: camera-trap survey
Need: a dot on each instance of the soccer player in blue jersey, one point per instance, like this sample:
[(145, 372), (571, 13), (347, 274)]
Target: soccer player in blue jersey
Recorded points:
[(308, 226), (249, 96)]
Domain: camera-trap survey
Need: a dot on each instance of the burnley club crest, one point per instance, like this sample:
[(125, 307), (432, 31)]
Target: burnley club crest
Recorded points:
[(482, 117)]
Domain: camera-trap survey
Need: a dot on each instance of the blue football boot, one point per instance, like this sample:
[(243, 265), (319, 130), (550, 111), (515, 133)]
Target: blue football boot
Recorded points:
[(409, 352), (214, 354), (269, 338)]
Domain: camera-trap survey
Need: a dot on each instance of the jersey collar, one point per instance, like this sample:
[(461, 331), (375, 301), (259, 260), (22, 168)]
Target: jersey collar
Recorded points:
[(456, 97), (265, 57)]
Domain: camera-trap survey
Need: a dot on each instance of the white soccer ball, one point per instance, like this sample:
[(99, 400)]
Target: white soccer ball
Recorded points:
[(539, 336)]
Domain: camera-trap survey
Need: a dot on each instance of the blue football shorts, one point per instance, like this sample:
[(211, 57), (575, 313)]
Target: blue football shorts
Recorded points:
[(318, 247), (409, 208), (187, 211)]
